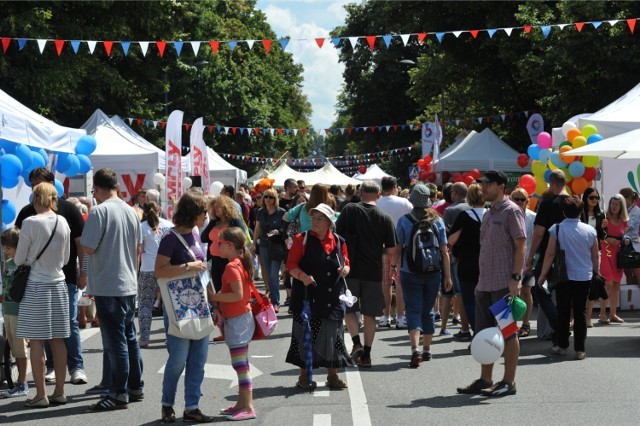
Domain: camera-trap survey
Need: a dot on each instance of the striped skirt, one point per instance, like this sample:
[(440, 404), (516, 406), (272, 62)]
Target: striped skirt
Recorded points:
[(44, 311)]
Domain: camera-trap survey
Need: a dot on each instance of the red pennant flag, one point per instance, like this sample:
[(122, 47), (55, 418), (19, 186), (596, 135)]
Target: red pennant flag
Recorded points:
[(326, 131), (527, 29), (139, 121), (233, 130), (210, 129), (474, 33), (395, 127), (7, 40), (630, 22), (488, 119), (303, 131), (373, 129), (350, 130), (59, 45), (187, 127), (579, 26), (421, 37), (267, 45), (214, 46), (320, 42), (163, 124), (257, 129), (466, 122), (161, 45), (419, 126), (280, 131), (372, 41), (107, 47)]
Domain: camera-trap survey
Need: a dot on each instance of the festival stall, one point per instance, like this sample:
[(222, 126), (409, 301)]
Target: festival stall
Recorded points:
[(222, 171), (621, 116), (329, 175), (374, 173)]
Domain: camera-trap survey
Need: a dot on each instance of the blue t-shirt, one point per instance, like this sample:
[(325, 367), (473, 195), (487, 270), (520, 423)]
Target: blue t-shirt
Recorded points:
[(403, 232)]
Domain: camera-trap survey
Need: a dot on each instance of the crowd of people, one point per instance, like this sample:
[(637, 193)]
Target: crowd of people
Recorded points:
[(412, 258)]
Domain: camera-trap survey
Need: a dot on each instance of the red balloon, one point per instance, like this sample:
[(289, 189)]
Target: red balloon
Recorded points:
[(589, 173), (432, 177), (528, 183), (362, 169), (427, 158), (420, 163), (475, 173), (469, 179), (422, 175), (523, 160), (427, 167), (446, 177)]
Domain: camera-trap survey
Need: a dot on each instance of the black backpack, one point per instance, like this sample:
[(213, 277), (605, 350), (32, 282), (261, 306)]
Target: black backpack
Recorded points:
[(423, 250)]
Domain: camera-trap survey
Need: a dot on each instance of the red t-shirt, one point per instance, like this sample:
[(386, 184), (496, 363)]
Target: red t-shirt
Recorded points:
[(234, 271)]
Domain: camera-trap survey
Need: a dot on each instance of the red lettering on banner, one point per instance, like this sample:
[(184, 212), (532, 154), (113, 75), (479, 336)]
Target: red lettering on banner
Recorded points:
[(198, 162), (174, 187), (131, 188)]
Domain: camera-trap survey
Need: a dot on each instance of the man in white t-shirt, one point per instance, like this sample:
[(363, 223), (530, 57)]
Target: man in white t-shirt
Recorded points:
[(396, 207)]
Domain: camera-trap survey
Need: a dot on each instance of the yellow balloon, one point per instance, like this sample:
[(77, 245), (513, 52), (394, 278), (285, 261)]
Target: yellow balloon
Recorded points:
[(541, 186), (551, 165), (578, 142), (590, 160), (589, 130), (538, 168)]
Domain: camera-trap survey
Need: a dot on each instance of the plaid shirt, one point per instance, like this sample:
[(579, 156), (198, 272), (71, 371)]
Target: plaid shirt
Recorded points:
[(502, 224)]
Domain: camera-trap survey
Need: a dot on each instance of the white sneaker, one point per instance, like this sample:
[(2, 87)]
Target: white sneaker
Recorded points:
[(385, 321), (50, 376), (79, 378), (20, 389), (401, 323)]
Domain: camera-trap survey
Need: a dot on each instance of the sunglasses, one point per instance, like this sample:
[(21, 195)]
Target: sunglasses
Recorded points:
[(269, 197), (594, 197), (520, 200)]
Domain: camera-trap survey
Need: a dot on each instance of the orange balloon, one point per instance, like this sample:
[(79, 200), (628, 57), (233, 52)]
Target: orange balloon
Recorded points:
[(579, 185), (533, 202), (566, 158), (573, 133)]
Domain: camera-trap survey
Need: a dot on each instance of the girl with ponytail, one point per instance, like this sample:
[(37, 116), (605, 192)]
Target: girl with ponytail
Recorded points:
[(234, 301)]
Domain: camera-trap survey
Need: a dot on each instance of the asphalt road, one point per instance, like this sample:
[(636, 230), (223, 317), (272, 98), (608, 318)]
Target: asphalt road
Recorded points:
[(603, 389)]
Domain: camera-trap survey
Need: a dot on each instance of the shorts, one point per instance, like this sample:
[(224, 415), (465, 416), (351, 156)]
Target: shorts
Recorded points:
[(370, 297), (484, 316), (238, 330), (18, 344), (528, 279), (455, 290)]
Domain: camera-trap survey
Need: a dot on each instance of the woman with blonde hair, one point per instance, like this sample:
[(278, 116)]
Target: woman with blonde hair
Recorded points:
[(44, 309), (615, 227)]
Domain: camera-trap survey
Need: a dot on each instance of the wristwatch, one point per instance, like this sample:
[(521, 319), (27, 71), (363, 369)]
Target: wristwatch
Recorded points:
[(517, 277)]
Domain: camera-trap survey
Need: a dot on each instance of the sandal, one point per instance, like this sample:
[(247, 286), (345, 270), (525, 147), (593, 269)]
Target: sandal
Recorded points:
[(303, 383), (334, 382), (604, 321), (37, 403), (589, 324), (524, 330), (616, 319)]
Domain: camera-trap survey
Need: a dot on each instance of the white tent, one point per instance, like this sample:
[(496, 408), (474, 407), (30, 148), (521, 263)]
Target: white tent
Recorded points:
[(284, 172), (374, 172), (620, 116), (483, 151), (21, 125), (258, 175), (223, 171), (329, 175)]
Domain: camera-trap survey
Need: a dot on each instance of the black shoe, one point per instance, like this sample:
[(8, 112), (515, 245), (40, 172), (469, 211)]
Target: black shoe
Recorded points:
[(286, 302), (365, 361), (501, 388), (416, 359), (136, 397), (195, 416), (107, 403), (426, 356), (462, 335), (437, 317), (356, 354), (455, 321), (168, 415), (475, 388)]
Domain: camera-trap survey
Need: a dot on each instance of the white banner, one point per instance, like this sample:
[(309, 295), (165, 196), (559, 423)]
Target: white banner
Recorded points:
[(437, 138), (428, 137), (199, 155), (173, 166), (535, 126), (617, 174)]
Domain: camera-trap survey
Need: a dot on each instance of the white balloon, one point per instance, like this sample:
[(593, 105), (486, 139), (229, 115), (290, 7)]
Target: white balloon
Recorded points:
[(568, 125), (216, 187), (186, 182), (487, 345), (158, 178), (161, 185)]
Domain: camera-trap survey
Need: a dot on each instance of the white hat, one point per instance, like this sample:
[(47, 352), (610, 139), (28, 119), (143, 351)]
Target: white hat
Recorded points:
[(325, 210)]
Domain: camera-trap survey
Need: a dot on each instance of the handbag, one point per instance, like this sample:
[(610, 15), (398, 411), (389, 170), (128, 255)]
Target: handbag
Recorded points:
[(275, 247), (185, 301), (264, 314), (21, 274), (559, 269), (627, 257)]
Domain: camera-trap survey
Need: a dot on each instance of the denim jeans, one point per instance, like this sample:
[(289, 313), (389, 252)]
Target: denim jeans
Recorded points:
[(271, 274), (184, 354), (73, 343), (467, 291), (120, 343), (419, 293)]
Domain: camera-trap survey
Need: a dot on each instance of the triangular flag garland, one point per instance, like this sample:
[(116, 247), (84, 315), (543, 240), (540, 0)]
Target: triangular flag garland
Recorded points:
[(419, 37)]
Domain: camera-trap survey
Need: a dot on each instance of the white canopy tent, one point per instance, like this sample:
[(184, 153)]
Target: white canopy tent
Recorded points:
[(483, 151), (374, 173), (329, 175), (223, 171), (620, 116), (284, 172)]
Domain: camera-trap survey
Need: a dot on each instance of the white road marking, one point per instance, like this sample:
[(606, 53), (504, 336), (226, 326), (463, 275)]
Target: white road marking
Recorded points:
[(223, 372), (322, 420), (261, 356), (85, 334), (321, 393), (357, 397)]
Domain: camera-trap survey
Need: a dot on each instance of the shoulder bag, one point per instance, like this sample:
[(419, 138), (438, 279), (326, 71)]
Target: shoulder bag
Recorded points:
[(21, 275), (263, 312), (627, 257), (559, 269), (185, 300)]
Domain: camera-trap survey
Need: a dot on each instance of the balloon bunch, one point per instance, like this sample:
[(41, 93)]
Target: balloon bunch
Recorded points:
[(18, 160), (467, 177), (78, 163), (425, 172), (579, 171)]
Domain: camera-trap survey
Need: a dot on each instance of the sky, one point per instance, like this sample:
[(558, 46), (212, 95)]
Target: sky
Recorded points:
[(309, 19)]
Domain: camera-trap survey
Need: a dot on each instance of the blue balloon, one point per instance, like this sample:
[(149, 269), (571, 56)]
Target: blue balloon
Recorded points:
[(11, 167), (8, 146), (24, 154), (37, 160), (10, 182), (576, 169), (557, 160), (546, 175), (59, 187), (85, 164), (533, 151), (544, 155), (86, 145), (8, 211), (4, 227), (25, 175), (43, 154), (74, 166), (594, 138), (62, 162)]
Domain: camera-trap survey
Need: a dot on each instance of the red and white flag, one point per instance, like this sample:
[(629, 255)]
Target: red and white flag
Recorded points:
[(173, 159), (199, 155), (501, 310)]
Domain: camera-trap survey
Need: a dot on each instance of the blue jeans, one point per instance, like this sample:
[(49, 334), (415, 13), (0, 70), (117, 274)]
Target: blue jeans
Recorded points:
[(467, 291), (73, 343), (271, 274), (419, 293), (120, 343), (191, 354)]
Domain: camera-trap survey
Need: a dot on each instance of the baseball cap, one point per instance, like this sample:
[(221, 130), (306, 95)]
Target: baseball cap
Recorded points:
[(493, 176)]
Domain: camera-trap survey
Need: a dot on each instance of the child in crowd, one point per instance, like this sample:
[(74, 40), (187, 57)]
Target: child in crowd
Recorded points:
[(10, 310), (235, 306)]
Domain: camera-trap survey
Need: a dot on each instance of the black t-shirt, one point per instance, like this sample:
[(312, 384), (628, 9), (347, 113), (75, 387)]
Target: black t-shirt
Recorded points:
[(367, 230), (549, 214), (467, 248), (76, 224), (285, 204)]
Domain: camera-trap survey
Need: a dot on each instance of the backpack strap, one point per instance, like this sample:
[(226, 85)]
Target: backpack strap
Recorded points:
[(476, 215)]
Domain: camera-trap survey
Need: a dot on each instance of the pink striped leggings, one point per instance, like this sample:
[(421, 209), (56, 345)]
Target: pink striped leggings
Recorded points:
[(240, 363)]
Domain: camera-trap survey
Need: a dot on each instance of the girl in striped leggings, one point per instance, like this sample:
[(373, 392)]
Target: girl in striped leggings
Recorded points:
[(235, 307)]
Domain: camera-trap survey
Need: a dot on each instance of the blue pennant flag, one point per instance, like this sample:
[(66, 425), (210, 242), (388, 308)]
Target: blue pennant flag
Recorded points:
[(439, 37), (178, 46), (23, 42), (336, 41), (491, 32), (283, 43), (546, 29), (387, 40), (75, 44), (125, 47), (596, 24), (232, 44)]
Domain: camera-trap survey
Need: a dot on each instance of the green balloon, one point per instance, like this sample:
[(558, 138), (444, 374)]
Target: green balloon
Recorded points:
[(518, 308), (565, 143)]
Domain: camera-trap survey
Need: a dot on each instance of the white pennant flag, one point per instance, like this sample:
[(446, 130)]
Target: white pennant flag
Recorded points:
[(342, 129), (92, 45), (457, 121), (508, 31), (302, 42), (41, 44), (250, 43), (457, 33), (561, 26), (411, 126), (226, 130), (195, 45), (272, 131), (353, 41), (295, 132), (130, 121), (405, 38), (155, 124), (144, 46), (613, 22), (526, 114), (504, 117), (387, 127)]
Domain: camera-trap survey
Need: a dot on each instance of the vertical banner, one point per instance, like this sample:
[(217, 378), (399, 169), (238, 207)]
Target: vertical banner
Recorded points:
[(437, 140), (428, 137), (535, 126), (199, 155), (173, 158)]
